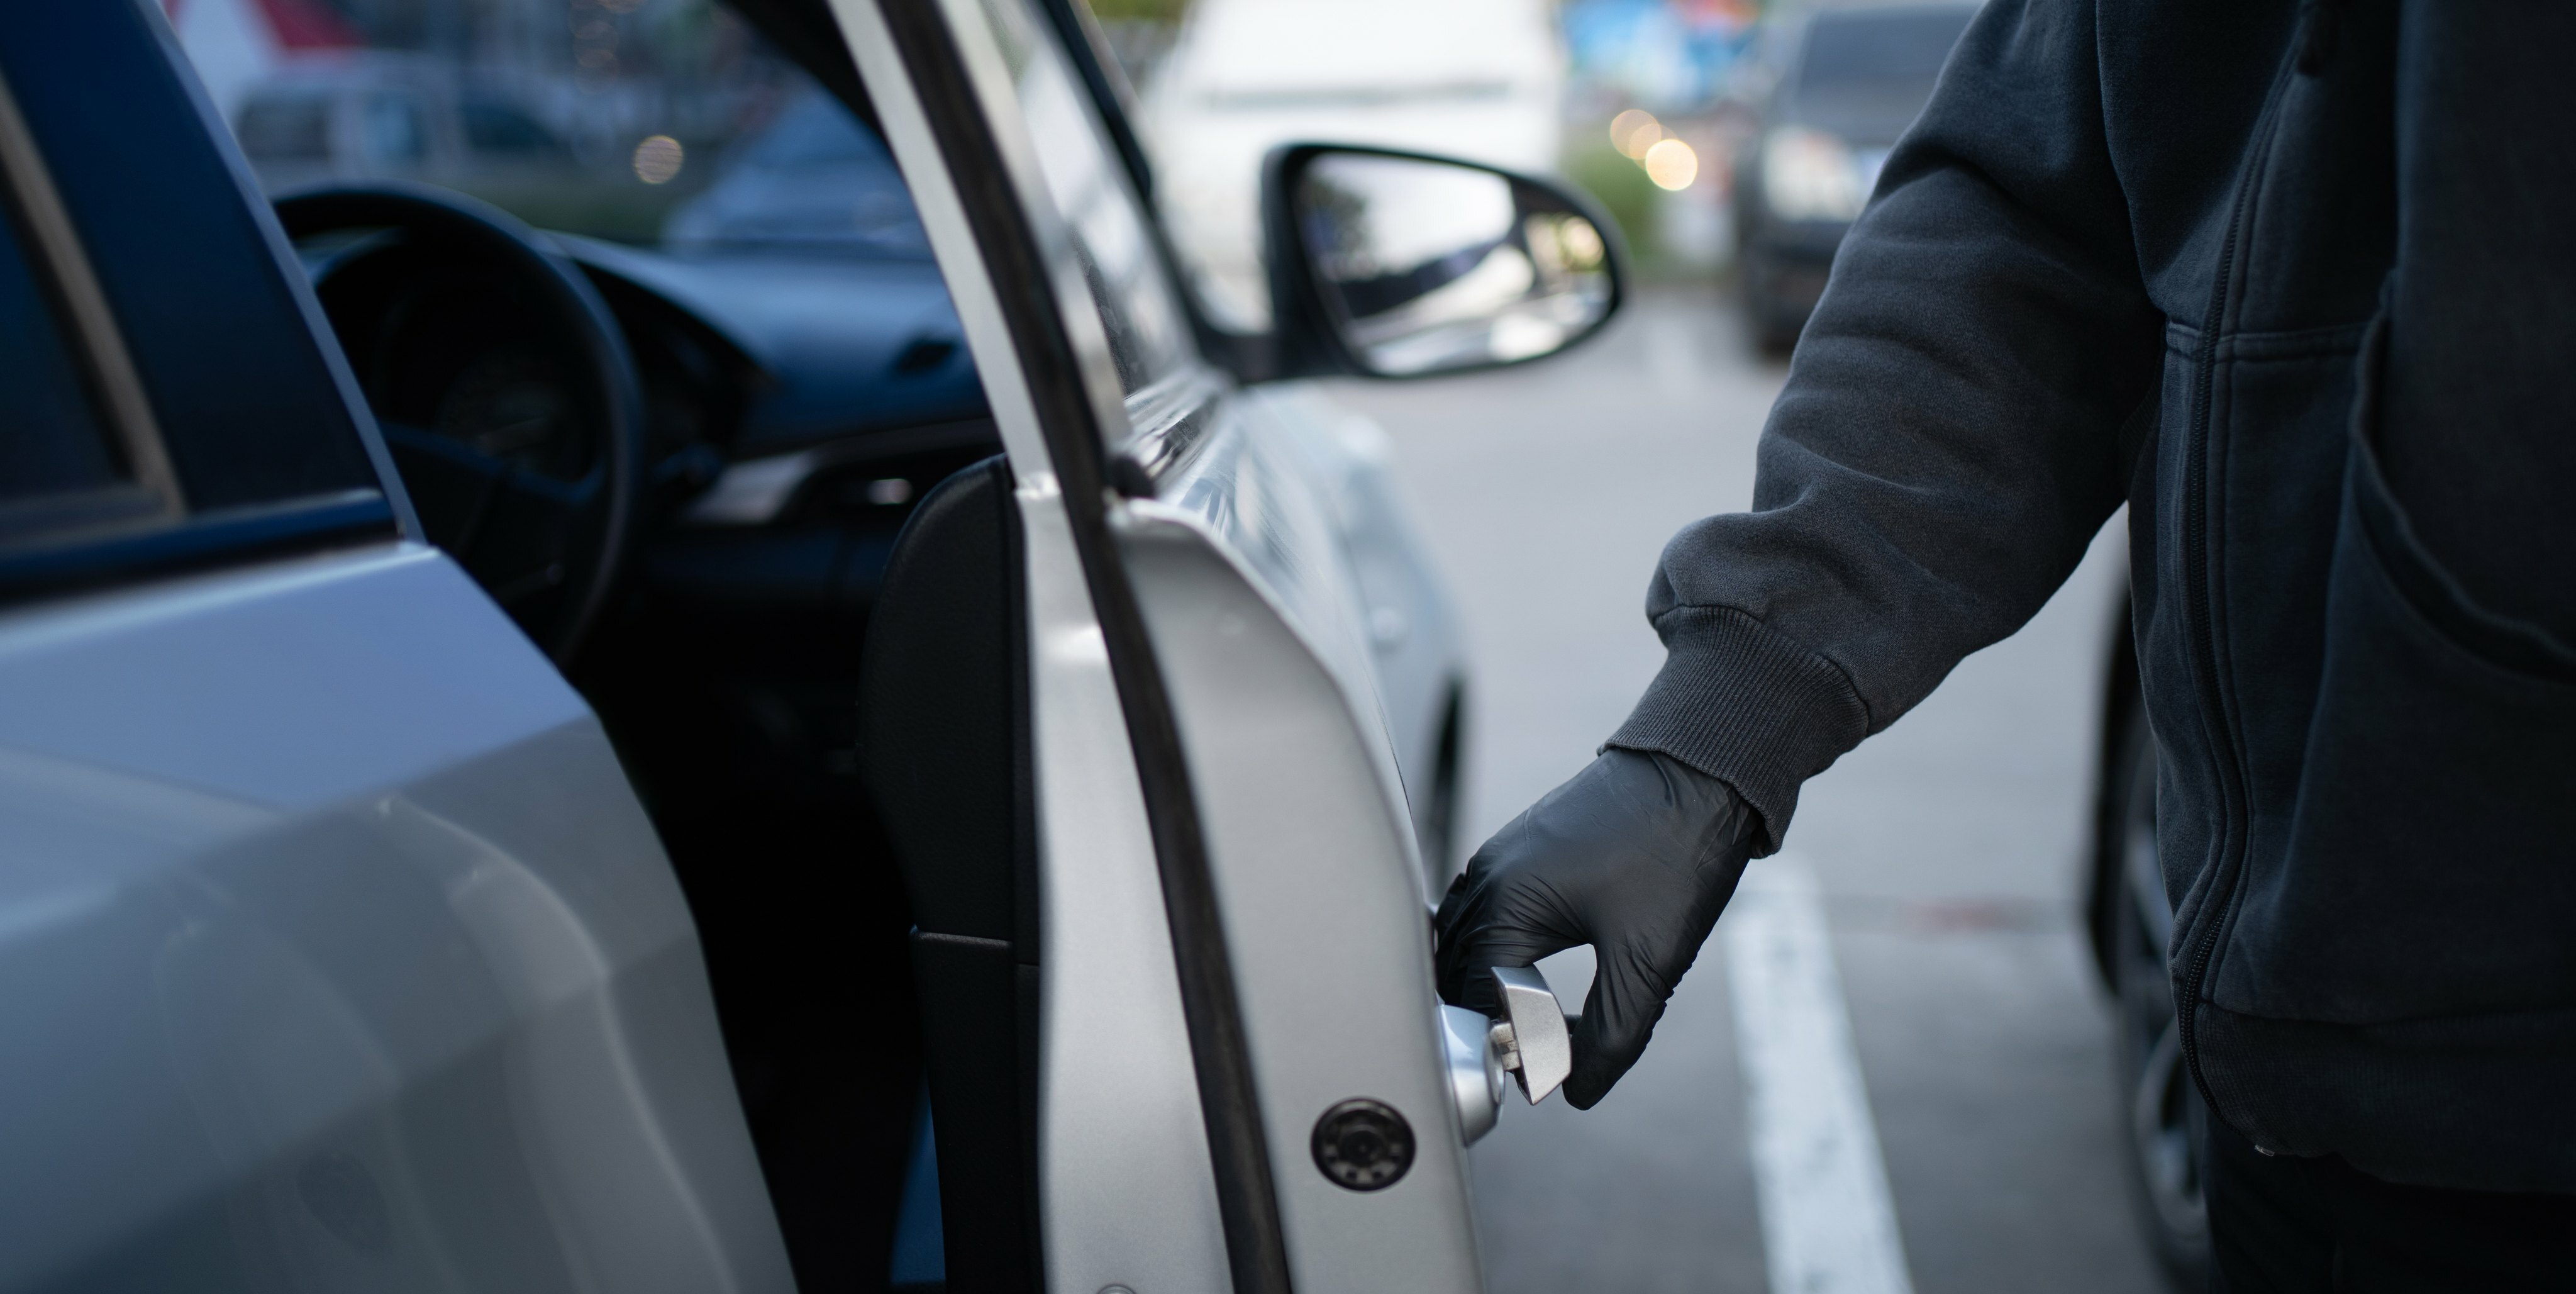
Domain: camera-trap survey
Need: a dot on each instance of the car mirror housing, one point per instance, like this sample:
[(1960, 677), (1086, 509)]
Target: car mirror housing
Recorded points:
[(1386, 263)]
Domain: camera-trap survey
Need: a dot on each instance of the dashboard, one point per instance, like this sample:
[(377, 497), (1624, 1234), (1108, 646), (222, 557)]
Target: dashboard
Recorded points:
[(773, 381), (797, 407)]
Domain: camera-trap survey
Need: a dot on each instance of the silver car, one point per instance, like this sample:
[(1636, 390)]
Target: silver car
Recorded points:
[(535, 762)]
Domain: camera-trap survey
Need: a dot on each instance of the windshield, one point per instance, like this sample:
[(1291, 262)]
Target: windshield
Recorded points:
[(653, 122)]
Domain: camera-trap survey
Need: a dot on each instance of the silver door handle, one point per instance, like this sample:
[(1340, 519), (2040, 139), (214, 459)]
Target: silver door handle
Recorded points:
[(1534, 1042)]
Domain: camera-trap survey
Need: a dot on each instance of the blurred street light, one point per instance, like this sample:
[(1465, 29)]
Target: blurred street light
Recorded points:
[(1671, 164), (658, 159), (1634, 131)]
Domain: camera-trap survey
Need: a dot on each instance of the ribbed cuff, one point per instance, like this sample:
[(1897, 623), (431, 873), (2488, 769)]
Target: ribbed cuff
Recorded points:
[(1741, 703)]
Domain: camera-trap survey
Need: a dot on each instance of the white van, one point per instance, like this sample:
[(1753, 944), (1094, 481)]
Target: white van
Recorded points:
[(1480, 79)]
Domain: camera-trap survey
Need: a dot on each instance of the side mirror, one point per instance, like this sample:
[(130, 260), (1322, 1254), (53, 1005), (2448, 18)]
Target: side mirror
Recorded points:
[(1395, 264)]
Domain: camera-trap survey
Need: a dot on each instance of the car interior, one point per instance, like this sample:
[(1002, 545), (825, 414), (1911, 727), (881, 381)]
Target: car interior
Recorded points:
[(751, 501)]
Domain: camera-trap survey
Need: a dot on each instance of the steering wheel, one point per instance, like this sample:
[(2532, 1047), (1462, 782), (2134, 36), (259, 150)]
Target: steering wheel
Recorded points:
[(503, 386)]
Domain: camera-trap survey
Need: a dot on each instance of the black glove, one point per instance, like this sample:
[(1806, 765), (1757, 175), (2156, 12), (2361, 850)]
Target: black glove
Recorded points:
[(1635, 856)]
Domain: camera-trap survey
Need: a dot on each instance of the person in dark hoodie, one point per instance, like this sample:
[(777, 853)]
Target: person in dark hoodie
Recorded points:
[(2298, 283)]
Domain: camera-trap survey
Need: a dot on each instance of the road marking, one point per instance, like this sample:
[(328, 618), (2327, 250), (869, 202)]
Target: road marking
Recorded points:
[(1828, 1225)]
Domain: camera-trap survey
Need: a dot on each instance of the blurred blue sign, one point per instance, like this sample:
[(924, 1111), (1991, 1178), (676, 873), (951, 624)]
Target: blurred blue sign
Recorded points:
[(1670, 54)]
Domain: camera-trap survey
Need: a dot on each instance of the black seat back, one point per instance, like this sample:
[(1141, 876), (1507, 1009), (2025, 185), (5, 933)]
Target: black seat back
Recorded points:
[(945, 732)]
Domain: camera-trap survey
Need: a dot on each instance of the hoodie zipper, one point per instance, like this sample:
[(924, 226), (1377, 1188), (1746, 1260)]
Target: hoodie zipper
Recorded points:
[(2210, 917)]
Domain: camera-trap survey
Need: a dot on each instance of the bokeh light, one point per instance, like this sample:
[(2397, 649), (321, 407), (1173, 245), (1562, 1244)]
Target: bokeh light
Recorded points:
[(1671, 164), (1634, 131), (1582, 243), (658, 159)]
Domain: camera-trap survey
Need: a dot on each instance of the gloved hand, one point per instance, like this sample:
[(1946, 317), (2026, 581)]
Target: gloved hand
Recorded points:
[(1635, 856)]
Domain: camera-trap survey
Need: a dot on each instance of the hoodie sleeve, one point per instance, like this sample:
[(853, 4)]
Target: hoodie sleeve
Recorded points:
[(1949, 439)]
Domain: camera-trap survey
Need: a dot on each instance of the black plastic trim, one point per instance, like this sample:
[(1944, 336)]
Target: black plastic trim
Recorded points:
[(203, 541)]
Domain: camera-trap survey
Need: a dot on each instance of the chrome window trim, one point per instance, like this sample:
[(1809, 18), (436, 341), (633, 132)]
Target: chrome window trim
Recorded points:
[(1169, 422)]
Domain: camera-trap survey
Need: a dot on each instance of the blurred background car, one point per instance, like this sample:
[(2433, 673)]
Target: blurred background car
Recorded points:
[(391, 116), (1846, 83), (1479, 79)]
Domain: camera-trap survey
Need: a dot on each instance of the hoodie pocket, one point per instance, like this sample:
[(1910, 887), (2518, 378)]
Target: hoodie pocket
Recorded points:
[(2430, 867)]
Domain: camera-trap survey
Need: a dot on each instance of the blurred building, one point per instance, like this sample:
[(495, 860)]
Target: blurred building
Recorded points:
[(238, 43)]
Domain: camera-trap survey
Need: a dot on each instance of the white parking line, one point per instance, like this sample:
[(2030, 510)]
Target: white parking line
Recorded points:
[(1828, 1226)]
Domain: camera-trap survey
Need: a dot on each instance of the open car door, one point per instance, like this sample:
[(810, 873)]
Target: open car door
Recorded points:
[(1230, 1068)]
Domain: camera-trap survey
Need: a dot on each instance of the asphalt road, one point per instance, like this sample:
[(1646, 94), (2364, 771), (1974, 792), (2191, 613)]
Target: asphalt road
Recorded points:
[(1946, 850)]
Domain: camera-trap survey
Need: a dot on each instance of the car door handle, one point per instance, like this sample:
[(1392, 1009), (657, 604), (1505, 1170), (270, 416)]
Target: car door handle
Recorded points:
[(1535, 1036), (1533, 1042)]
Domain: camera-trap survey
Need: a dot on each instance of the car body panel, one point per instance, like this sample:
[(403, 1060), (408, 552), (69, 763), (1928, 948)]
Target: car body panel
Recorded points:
[(1126, 1189), (1316, 868), (402, 991), (1415, 657)]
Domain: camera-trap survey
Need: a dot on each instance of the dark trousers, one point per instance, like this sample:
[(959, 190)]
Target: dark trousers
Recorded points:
[(2280, 1225)]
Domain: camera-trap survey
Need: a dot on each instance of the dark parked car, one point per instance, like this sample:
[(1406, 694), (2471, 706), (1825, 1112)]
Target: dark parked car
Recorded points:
[(2131, 924), (1844, 83)]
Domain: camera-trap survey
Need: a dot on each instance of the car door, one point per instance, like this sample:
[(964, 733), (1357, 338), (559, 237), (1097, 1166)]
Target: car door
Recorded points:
[(1230, 896), (338, 952)]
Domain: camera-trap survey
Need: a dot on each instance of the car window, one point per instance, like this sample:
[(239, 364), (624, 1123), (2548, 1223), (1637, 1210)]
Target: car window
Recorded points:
[(812, 178), (1122, 271), (213, 385), (657, 123), (52, 443)]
